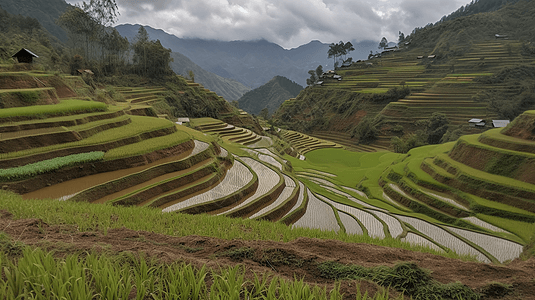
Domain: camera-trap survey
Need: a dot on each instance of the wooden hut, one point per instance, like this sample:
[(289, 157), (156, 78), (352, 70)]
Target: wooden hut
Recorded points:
[(25, 56)]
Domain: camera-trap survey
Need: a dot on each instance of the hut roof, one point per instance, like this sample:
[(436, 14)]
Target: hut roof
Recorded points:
[(476, 121), (500, 123), (24, 52)]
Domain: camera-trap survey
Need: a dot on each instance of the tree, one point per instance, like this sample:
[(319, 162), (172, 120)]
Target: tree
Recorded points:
[(191, 75), (339, 50), (383, 43), (312, 80), (150, 58), (437, 127), (401, 37), (319, 71), (348, 47), (264, 113), (103, 11)]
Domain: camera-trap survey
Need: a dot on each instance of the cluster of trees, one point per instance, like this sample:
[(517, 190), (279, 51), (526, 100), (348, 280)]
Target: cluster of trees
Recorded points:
[(315, 75), (101, 48), (339, 50), (435, 130)]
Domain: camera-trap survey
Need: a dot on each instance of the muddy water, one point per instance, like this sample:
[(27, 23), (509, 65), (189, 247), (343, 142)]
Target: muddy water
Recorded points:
[(79, 184), (152, 181)]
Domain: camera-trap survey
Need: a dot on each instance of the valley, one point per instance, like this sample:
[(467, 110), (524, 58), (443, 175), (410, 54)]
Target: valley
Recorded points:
[(148, 185)]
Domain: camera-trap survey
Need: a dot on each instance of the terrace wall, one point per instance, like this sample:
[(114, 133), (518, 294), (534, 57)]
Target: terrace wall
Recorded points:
[(44, 180)]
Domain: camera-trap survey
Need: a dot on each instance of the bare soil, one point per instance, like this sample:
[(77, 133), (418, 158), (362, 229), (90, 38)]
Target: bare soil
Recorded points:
[(298, 258)]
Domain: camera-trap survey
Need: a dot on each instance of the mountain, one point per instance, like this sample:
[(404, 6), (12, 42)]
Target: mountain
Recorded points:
[(252, 63), (458, 70), (477, 6), (227, 88), (46, 12), (270, 95)]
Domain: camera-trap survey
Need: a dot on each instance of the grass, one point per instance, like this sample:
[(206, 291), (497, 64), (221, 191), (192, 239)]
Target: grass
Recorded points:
[(204, 121), (45, 166), (37, 274), (65, 107), (93, 217), (139, 125), (149, 145), (75, 118)]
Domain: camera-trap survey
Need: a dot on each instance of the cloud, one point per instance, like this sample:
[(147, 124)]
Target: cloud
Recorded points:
[(287, 23)]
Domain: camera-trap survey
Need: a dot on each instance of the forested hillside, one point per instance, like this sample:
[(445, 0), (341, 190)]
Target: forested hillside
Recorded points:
[(427, 91), (46, 12), (270, 95)]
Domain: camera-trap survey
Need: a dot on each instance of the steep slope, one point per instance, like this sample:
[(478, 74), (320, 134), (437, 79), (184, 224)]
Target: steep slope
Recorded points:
[(251, 62), (227, 88), (46, 12), (271, 95), (464, 79)]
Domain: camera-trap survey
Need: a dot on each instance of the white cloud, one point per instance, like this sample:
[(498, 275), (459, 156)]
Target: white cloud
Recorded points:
[(287, 23)]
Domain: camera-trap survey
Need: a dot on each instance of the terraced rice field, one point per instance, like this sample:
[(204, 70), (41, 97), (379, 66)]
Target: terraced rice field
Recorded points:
[(237, 177), (288, 190), (318, 215), (442, 237), (267, 180), (416, 239), (300, 199)]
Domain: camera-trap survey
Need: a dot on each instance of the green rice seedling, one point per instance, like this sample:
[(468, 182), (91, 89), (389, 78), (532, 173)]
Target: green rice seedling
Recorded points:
[(139, 126), (148, 146), (228, 283), (90, 217), (65, 107), (45, 166)]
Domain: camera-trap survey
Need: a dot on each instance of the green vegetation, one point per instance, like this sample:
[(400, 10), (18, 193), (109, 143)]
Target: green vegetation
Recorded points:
[(407, 278), (104, 276), (148, 146), (270, 95), (45, 166), (65, 107), (91, 217), (132, 132)]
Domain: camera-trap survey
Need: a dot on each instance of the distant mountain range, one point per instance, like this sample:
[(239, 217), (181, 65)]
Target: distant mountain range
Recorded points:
[(252, 63), (270, 95)]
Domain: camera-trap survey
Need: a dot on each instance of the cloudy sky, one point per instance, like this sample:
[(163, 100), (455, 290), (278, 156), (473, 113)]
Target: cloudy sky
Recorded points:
[(289, 23)]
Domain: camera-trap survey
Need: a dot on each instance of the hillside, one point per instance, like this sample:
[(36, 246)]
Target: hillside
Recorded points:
[(227, 88), (201, 203), (270, 95), (45, 12), (252, 63), (464, 80)]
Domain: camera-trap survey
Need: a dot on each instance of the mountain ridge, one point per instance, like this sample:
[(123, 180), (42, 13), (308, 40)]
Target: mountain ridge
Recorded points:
[(252, 63), (270, 95)]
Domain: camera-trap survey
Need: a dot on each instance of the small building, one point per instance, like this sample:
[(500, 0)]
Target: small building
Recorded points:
[(477, 123), (85, 71), (25, 56), (500, 123), (181, 121), (432, 56), (318, 82), (346, 64), (500, 36), (337, 77), (420, 57)]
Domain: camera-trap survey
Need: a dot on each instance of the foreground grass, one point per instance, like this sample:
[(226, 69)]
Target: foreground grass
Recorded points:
[(37, 274), (101, 217)]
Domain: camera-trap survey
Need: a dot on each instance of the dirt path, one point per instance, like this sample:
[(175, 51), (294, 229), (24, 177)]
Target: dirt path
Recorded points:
[(297, 258)]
